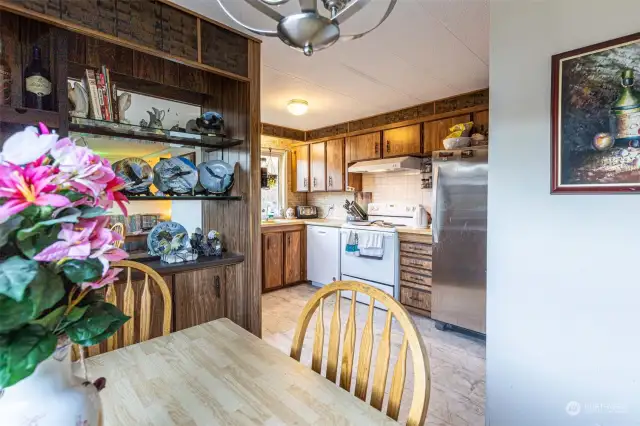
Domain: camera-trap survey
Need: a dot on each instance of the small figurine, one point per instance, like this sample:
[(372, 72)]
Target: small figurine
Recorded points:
[(79, 99), (209, 122), (124, 102), (155, 119), (213, 240)]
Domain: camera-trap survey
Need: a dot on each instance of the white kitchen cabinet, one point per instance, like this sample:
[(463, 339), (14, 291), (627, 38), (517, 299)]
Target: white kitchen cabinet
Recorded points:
[(323, 255)]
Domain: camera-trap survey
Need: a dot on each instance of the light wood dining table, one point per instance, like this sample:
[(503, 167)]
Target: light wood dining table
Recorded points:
[(219, 374)]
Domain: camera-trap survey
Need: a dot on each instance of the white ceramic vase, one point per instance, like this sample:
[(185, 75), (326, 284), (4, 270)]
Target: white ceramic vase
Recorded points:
[(51, 396)]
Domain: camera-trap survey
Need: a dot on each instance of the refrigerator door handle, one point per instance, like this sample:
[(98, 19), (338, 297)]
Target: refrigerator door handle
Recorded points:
[(435, 213)]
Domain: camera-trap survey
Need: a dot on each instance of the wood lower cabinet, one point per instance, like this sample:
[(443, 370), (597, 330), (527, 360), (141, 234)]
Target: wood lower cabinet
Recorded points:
[(363, 147), (284, 256), (415, 272), (436, 131), (318, 167), (401, 141), (335, 165), (199, 296), (300, 169), (272, 260), (293, 268)]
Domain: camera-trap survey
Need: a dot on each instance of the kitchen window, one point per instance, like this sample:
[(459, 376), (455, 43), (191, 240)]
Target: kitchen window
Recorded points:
[(273, 188)]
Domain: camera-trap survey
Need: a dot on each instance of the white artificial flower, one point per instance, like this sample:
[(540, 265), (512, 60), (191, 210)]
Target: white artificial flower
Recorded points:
[(26, 146)]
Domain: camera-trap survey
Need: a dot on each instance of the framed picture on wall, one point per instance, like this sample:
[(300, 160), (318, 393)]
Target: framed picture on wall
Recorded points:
[(595, 116)]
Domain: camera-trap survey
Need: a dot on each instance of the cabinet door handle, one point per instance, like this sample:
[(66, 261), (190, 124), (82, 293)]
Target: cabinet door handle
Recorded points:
[(375, 148), (305, 183), (288, 239), (388, 147), (216, 284), (330, 182), (315, 181)]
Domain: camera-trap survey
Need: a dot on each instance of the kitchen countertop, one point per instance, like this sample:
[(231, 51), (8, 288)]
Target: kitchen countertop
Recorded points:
[(336, 223)]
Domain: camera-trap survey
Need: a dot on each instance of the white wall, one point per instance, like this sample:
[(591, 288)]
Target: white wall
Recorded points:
[(563, 293)]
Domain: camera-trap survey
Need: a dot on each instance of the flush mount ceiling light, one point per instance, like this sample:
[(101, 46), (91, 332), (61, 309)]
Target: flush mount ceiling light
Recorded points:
[(297, 106), (309, 31)]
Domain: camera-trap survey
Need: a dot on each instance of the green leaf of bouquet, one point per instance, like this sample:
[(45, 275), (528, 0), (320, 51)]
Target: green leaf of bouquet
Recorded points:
[(91, 212), (15, 275), (8, 227), (38, 242), (72, 195), (14, 314), (22, 350), (45, 290), (100, 321), (52, 319), (73, 316), (70, 216), (80, 271)]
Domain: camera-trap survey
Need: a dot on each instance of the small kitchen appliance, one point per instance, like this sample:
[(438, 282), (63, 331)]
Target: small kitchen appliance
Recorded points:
[(420, 217), (306, 212)]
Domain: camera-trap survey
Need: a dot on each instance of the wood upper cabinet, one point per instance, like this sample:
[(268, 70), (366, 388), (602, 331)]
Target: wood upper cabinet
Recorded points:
[(318, 167), (363, 147), (401, 141), (436, 131), (199, 296), (293, 265), (272, 260), (335, 165), (300, 168)]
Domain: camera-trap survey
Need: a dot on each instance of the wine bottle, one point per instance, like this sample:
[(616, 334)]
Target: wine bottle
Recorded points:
[(5, 78), (37, 83)]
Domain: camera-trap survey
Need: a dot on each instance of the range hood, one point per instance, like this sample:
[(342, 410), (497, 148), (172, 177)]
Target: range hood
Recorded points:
[(399, 164)]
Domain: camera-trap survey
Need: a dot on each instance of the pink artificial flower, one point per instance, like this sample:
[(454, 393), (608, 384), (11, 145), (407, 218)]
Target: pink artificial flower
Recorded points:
[(83, 170), (23, 187), (27, 146), (112, 193), (108, 278), (74, 243), (102, 246)]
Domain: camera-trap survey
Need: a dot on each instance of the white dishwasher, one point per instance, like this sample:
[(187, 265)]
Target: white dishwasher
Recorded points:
[(323, 254)]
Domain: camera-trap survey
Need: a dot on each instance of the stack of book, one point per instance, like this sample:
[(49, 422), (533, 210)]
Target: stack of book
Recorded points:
[(103, 98)]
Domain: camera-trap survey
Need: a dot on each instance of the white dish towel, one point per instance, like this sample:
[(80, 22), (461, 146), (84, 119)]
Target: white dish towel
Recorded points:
[(371, 244)]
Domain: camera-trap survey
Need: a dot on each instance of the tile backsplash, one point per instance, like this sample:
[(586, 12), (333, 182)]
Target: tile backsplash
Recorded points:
[(399, 187), (324, 200)]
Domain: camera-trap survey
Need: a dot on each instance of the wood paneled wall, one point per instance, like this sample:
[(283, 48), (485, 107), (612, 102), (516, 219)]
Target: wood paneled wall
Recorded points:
[(151, 26), (239, 221)]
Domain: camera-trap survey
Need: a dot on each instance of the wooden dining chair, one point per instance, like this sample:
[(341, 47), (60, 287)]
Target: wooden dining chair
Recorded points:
[(412, 340), (119, 228), (128, 303)]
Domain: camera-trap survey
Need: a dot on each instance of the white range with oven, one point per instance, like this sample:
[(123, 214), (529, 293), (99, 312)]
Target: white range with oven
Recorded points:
[(384, 272)]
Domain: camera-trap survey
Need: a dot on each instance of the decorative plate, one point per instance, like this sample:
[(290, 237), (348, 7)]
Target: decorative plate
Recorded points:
[(137, 174), (167, 237), (216, 176), (175, 175)]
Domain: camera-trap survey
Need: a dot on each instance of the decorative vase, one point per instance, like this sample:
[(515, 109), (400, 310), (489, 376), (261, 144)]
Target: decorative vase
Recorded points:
[(52, 396)]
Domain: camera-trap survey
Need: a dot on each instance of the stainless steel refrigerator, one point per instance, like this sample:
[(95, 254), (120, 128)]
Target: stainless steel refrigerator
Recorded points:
[(459, 225)]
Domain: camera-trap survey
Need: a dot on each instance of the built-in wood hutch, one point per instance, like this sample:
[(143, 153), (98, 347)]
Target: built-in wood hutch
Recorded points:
[(159, 49)]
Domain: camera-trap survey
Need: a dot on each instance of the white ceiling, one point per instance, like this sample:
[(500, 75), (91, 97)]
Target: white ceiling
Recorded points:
[(426, 50)]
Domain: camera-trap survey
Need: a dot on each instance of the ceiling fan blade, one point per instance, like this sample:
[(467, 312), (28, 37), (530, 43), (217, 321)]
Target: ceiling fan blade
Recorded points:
[(267, 10), (349, 10), (309, 5), (266, 33), (347, 37)]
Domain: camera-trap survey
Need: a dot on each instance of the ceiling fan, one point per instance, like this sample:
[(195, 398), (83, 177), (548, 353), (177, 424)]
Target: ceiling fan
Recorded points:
[(309, 31)]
